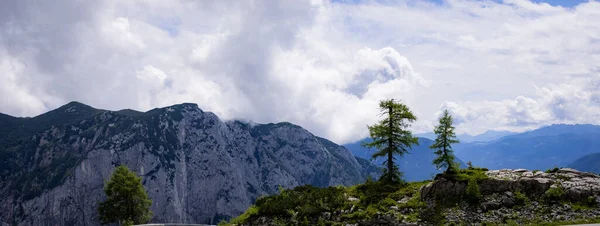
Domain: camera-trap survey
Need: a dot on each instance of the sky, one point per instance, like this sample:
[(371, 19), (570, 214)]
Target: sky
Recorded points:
[(324, 65)]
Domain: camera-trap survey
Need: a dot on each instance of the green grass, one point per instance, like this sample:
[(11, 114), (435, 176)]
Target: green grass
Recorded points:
[(303, 205), (252, 211), (587, 204), (409, 189), (465, 175)]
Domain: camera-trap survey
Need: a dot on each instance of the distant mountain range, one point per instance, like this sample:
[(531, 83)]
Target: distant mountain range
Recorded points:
[(550, 146), (489, 135), (557, 145)]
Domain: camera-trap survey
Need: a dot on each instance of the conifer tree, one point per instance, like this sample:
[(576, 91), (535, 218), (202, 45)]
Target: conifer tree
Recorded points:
[(390, 136), (443, 143), (127, 201)]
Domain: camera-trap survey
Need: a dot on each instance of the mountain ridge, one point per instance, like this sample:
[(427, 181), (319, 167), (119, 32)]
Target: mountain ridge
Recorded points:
[(487, 136), (195, 167), (588, 163), (550, 146)]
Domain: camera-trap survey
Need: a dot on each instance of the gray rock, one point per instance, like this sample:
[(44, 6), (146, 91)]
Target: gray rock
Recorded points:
[(498, 200), (326, 215), (508, 201), (487, 206), (404, 200)]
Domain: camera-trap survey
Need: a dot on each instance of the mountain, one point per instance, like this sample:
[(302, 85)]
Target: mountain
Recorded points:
[(417, 165), (429, 135), (489, 135), (195, 167), (559, 129), (588, 163), (550, 146)]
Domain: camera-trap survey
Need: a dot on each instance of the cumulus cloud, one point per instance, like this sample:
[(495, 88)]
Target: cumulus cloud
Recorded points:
[(564, 103), (323, 65)]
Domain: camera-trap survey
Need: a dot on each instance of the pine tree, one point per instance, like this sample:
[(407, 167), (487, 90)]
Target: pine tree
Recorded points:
[(391, 137), (443, 143), (127, 200)]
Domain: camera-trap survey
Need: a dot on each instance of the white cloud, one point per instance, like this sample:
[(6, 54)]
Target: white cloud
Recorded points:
[(564, 103), (12, 90), (322, 65)]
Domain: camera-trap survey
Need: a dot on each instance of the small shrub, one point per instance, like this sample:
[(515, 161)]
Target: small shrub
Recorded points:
[(590, 201), (553, 170), (369, 179), (586, 204), (385, 204), (374, 192), (535, 171), (302, 201), (473, 193), (554, 195), (521, 199)]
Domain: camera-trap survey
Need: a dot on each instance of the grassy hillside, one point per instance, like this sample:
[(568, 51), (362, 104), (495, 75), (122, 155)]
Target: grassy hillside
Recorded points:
[(471, 196)]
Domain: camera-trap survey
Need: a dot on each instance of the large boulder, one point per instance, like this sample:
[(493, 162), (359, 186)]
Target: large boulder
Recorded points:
[(578, 186)]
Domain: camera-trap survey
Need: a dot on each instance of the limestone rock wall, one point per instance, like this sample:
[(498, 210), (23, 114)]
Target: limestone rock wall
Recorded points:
[(195, 167)]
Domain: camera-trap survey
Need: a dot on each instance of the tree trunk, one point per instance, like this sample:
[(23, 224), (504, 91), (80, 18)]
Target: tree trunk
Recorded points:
[(445, 152), (390, 163)]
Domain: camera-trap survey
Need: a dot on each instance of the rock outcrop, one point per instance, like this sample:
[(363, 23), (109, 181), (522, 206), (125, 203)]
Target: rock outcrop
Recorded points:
[(195, 167), (472, 196), (577, 185), (519, 196)]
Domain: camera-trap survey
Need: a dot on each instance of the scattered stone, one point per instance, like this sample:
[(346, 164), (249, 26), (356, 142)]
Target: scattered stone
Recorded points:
[(404, 200)]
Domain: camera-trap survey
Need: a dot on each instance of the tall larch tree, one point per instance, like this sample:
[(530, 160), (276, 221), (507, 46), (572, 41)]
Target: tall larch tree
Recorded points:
[(391, 137), (127, 201), (443, 143)]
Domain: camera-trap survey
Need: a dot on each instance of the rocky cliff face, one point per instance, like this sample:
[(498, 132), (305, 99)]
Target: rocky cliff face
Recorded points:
[(195, 167)]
